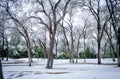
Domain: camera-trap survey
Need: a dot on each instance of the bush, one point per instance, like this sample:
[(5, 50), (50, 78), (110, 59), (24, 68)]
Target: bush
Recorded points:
[(64, 56), (81, 55), (39, 53), (17, 53), (88, 54)]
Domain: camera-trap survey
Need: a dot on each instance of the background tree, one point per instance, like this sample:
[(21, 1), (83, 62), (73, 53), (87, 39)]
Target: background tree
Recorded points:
[(96, 10), (54, 17), (56, 46), (24, 31), (108, 31), (113, 7), (3, 34)]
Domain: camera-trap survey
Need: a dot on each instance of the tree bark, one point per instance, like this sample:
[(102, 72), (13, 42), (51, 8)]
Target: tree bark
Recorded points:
[(7, 50), (99, 40), (99, 55), (28, 48), (84, 48), (1, 73), (56, 47), (119, 46), (50, 53), (113, 51), (29, 54), (3, 43), (72, 46)]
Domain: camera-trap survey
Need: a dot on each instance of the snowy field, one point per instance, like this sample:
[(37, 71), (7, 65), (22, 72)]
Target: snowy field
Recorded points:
[(62, 69)]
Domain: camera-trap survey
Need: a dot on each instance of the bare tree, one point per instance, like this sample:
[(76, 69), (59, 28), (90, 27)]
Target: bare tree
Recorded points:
[(80, 34), (84, 35), (24, 31), (77, 47), (95, 9), (53, 18), (113, 7), (109, 34), (69, 29), (69, 35), (70, 24), (3, 36)]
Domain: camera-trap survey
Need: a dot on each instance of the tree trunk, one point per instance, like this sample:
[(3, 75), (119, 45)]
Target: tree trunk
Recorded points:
[(72, 52), (72, 57), (99, 55), (7, 50), (119, 62), (2, 53), (56, 48), (99, 39), (77, 58), (29, 55), (28, 46), (119, 46), (1, 73), (50, 53), (84, 50), (119, 50), (45, 53), (56, 52), (112, 52), (72, 43), (28, 49), (45, 50)]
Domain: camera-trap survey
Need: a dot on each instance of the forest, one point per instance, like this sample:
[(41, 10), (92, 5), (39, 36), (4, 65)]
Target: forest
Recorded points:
[(59, 30)]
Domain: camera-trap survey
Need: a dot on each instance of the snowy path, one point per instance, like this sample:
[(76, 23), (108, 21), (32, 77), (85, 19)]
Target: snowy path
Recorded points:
[(62, 70)]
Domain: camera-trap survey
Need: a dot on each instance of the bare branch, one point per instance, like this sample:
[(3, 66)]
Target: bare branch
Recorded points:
[(41, 21), (56, 4)]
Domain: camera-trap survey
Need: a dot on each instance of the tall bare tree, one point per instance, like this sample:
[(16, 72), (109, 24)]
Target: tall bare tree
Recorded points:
[(70, 24), (24, 31), (66, 31), (113, 7), (54, 17), (3, 35), (95, 9), (80, 34), (109, 34)]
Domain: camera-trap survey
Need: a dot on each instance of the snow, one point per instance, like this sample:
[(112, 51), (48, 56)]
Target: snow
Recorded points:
[(61, 69)]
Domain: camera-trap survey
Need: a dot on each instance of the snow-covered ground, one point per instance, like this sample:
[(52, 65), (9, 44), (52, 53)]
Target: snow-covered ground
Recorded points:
[(62, 69)]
